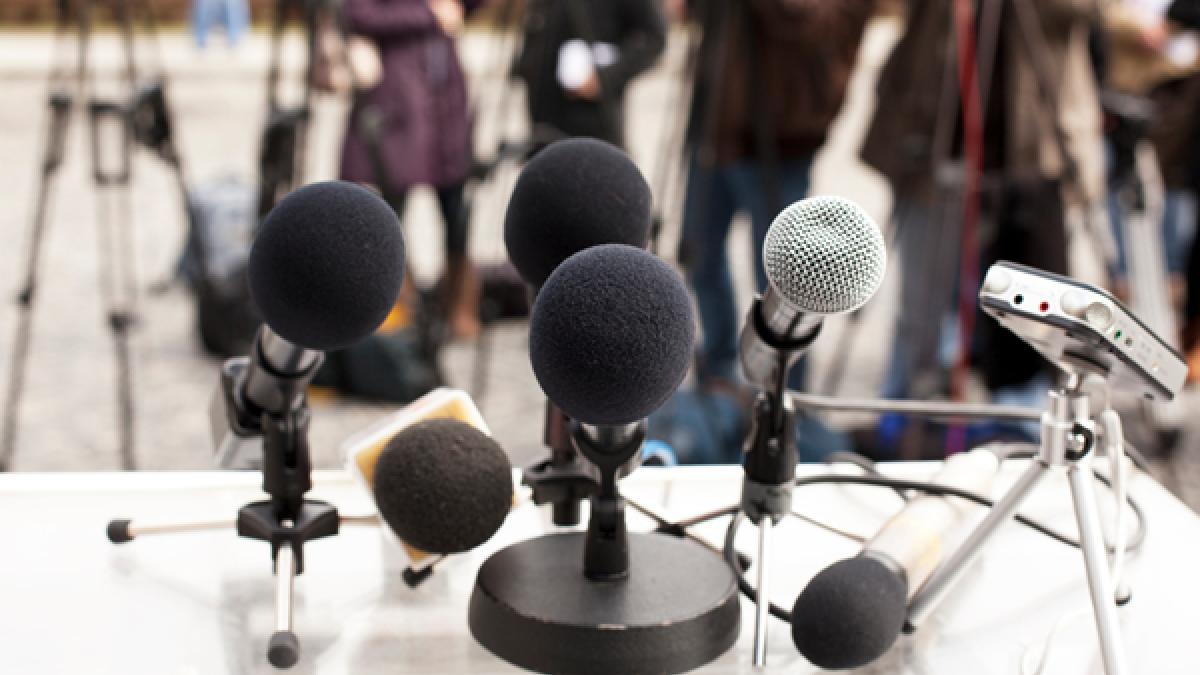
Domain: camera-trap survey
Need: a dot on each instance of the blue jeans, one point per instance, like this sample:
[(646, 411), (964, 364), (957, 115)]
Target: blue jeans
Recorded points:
[(1178, 227), (714, 196), (925, 342), (232, 15)]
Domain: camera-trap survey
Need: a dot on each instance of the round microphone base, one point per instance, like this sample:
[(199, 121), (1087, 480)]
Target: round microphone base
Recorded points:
[(676, 611)]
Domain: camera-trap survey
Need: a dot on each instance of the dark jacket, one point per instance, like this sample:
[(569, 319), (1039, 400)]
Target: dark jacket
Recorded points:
[(635, 27), (773, 68), (1185, 13), (421, 102), (903, 142)]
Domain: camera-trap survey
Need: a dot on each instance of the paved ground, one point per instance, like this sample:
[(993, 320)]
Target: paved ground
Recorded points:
[(218, 97)]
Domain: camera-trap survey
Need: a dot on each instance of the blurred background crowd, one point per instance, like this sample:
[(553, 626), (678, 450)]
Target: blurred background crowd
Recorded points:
[(1062, 134)]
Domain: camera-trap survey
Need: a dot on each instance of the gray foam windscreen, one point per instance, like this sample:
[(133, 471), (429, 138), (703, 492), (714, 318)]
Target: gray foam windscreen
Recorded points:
[(825, 255)]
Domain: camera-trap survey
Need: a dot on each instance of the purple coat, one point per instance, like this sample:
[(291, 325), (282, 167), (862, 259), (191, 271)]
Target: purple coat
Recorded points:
[(422, 99)]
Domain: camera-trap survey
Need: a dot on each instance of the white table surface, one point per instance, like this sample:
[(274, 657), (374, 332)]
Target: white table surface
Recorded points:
[(202, 603)]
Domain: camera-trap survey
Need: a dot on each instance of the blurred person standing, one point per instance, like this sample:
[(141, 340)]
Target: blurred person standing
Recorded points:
[(771, 76), (412, 128), (1041, 151), (578, 58), (1153, 64)]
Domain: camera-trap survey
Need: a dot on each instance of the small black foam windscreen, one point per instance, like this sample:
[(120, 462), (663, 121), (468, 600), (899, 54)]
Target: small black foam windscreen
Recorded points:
[(611, 334), (327, 265), (443, 486), (574, 194), (849, 614)]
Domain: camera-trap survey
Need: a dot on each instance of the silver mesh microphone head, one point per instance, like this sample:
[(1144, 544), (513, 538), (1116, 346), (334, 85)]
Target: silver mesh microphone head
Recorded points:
[(824, 255)]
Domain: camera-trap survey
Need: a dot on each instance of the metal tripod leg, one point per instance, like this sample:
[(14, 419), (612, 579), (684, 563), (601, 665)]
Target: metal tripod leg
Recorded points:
[(283, 650), (123, 530), (1095, 559), (56, 136), (944, 577), (762, 601)]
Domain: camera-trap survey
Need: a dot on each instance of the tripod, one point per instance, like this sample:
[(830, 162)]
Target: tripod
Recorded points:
[(286, 519), (1068, 439), (114, 126), (285, 137)]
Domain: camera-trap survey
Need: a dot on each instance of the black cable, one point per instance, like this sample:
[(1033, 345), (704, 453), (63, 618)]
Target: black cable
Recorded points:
[(845, 457)]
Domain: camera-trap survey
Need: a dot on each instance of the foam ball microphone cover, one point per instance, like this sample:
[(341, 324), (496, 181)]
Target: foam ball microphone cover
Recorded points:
[(443, 486), (849, 614), (574, 194), (611, 334), (327, 264)]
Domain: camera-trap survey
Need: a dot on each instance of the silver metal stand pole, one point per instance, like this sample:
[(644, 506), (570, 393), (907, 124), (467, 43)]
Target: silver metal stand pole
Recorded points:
[(944, 577), (121, 531), (1095, 560), (285, 582), (283, 650), (763, 603)]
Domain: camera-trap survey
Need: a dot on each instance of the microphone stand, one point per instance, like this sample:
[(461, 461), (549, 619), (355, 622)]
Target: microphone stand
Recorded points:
[(770, 466), (637, 603), (1068, 440), (286, 520), (770, 448)]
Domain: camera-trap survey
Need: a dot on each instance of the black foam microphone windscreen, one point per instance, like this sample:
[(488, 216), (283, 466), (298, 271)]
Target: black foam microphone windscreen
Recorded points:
[(611, 334), (443, 486), (574, 194), (849, 614), (327, 265)]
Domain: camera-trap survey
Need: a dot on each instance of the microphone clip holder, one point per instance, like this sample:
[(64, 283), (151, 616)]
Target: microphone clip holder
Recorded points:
[(606, 550), (565, 479), (771, 458)]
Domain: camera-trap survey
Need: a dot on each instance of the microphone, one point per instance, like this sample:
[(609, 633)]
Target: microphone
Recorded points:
[(574, 194), (443, 486), (852, 611), (324, 271), (610, 339), (823, 256), (611, 335)]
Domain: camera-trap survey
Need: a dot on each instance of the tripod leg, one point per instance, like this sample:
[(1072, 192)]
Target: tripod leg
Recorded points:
[(1091, 541), (762, 601), (123, 530), (56, 135), (283, 650), (944, 577)]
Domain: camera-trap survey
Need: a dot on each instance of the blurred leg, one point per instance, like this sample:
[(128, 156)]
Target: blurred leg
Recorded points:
[(708, 212), (460, 285), (793, 178), (201, 17), (237, 19)]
